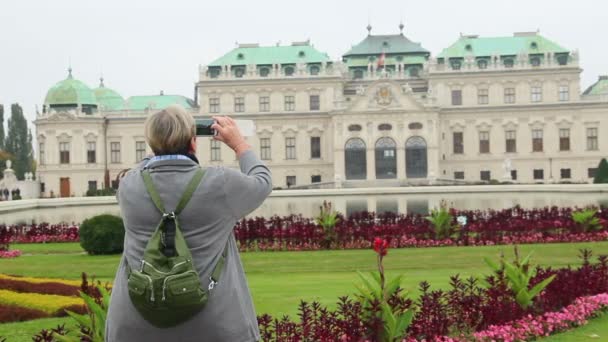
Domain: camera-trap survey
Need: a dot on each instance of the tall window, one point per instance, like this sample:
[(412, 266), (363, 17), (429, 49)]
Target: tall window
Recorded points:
[(592, 139), (115, 152), (290, 148), (41, 153), (216, 152), (290, 180), (564, 139), (64, 153), (92, 185), (591, 172), (214, 105), (265, 148), (456, 97), (264, 103), (511, 141), (509, 95), (536, 94), (140, 150), (565, 173), (484, 142), (315, 103), (315, 147), (239, 104), (482, 96), (290, 103), (458, 139), (485, 176), (91, 152), (564, 93), (537, 140), (539, 174)]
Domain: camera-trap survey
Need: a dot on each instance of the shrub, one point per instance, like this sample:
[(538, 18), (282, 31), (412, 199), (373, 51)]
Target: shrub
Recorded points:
[(601, 175), (441, 219), (327, 219), (101, 192), (586, 220), (102, 234)]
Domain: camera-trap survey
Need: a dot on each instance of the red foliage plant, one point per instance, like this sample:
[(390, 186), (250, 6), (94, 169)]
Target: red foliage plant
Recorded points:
[(44, 288), (11, 313)]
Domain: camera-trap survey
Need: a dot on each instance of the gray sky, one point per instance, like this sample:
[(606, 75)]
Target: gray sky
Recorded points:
[(145, 46)]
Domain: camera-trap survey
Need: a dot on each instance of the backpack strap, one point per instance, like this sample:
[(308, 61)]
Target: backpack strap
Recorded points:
[(217, 270), (168, 238)]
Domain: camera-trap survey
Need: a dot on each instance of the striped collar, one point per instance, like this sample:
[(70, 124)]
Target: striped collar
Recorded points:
[(166, 157)]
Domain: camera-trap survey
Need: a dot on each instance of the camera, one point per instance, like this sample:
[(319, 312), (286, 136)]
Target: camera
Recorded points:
[(203, 127)]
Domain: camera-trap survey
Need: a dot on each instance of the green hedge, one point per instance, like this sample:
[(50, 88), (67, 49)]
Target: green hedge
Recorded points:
[(601, 176), (102, 234)]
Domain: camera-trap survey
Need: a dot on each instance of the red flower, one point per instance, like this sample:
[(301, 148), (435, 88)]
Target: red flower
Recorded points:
[(381, 246)]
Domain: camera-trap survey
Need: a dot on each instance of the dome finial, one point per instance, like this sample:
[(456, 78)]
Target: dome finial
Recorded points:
[(101, 85), (369, 29), (401, 27), (70, 72)]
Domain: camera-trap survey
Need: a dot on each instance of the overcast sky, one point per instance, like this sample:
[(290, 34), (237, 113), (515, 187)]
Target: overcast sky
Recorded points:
[(142, 47)]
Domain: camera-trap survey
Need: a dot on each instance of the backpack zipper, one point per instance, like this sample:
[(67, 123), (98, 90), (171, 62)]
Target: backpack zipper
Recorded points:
[(167, 278), (151, 287), (161, 272)]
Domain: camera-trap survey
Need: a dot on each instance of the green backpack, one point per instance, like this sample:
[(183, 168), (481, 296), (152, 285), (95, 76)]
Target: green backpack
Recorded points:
[(166, 289)]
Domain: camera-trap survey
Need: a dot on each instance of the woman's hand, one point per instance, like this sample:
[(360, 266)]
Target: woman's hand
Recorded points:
[(228, 133)]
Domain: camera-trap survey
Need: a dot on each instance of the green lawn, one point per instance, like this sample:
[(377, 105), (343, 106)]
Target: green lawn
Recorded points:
[(596, 330), (279, 280)]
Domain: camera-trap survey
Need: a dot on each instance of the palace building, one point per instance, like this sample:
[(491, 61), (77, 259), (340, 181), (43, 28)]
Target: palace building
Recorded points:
[(389, 113)]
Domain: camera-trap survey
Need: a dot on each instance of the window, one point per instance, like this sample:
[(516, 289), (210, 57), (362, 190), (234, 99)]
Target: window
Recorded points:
[(536, 94), (115, 184), (265, 148), (509, 95), (290, 148), (458, 142), (482, 96), (592, 139), (264, 103), (291, 181), (414, 72), (64, 153), (315, 103), (484, 142), (565, 173), (508, 62), (385, 127), (513, 174), (537, 140), (239, 104), (314, 70), (42, 187), (456, 64), (214, 105), (564, 139), (535, 61), (562, 59), (264, 72), (41, 153), (315, 179), (91, 152), (591, 172), (358, 74), (456, 97), (140, 150), (564, 93), (511, 141), (354, 128), (539, 174), (459, 175), (415, 125), (290, 103), (115, 152), (315, 147), (482, 64), (239, 72), (485, 176), (289, 71), (216, 152), (92, 185)]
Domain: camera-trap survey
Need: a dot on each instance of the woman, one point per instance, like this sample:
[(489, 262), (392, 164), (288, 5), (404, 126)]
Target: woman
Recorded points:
[(222, 198)]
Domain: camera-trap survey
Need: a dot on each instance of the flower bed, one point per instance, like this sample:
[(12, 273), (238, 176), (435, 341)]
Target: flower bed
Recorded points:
[(10, 254), (468, 311), (39, 233)]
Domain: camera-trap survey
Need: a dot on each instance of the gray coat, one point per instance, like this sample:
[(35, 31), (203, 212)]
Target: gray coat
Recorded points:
[(223, 197)]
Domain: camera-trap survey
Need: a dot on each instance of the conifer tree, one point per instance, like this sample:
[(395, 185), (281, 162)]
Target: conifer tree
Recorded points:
[(19, 142), (601, 175)]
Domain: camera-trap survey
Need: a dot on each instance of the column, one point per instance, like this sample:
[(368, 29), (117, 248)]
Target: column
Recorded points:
[(371, 163), (400, 163)]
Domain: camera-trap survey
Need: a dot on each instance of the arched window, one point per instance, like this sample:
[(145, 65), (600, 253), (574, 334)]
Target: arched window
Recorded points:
[(482, 64), (414, 72), (354, 128), (358, 74), (239, 72), (508, 62), (314, 70), (535, 61), (456, 64), (264, 72), (415, 157), (385, 127), (386, 158), (289, 71), (562, 59), (355, 159)]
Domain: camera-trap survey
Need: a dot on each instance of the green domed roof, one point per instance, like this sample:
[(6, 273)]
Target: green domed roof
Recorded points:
[(70, 92), (108, 98)]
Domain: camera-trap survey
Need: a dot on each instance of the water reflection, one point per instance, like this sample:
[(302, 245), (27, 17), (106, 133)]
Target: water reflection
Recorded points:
[(309, 206)]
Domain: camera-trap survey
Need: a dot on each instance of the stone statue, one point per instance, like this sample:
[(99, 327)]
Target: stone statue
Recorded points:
[(507, 167), (9, 164)]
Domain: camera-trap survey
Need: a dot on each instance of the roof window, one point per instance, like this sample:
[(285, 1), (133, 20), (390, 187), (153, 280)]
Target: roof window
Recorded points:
[(534, 46), (301, 54), (399, 58), (240, 56), (468, 47), (385, 43)]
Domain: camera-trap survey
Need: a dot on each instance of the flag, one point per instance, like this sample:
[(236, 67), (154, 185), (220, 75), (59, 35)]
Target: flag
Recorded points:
[(381, 60)]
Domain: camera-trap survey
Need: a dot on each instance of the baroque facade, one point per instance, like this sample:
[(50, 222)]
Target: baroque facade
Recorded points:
[(389, 113)]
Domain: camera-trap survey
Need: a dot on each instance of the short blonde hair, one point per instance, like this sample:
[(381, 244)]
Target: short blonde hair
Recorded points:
[(170, 130)]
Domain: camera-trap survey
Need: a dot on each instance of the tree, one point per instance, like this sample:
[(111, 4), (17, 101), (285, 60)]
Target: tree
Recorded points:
[(601, 175), (2, 152), (19, 142)]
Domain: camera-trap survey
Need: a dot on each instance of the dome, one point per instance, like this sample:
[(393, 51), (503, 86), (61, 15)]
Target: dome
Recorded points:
[(70, 92), (108, 98)]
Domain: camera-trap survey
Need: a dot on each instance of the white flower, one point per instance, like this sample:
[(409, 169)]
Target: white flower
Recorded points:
[(462, 220)]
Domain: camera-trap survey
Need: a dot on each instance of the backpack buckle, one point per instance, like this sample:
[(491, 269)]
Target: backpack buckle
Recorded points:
[(212, 283), (169, 216)]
